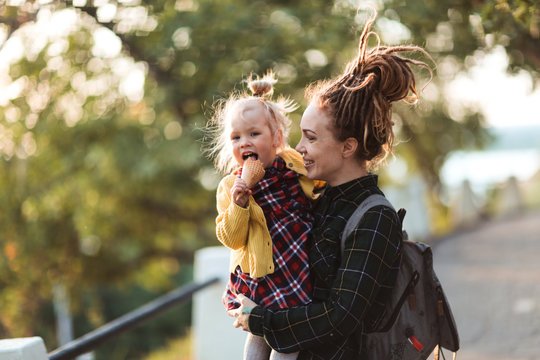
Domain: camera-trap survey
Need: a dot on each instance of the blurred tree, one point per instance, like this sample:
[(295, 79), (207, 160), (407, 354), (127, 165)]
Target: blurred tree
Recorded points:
[(463, 28), (102, 115), (457, 34), (104, 181)]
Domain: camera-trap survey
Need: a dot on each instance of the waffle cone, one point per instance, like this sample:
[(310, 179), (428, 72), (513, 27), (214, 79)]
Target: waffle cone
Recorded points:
[(252, 172)]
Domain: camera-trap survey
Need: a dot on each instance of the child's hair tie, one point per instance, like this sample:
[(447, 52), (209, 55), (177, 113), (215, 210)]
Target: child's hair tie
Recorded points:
[(260, 87)]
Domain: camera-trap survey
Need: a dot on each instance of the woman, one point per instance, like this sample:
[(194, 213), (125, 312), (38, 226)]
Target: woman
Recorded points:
[(346, 130)]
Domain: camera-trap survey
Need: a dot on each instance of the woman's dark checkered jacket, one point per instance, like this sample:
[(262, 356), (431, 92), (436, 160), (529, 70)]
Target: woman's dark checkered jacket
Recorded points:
[(348, 290)]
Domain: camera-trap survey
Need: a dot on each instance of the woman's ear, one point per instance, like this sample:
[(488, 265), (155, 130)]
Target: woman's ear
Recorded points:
[(349, 147)]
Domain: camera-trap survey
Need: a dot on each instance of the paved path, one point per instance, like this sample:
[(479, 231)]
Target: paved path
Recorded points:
[(491, 276)]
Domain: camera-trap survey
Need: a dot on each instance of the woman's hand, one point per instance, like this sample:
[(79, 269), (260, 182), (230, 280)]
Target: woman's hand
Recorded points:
[(242, 313), (240, 192)]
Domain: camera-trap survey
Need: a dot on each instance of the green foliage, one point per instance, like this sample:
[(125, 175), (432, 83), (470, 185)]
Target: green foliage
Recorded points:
[(103, 181), (453, 32), (98, 188), (111, 302), (178, 348), (461, 28)]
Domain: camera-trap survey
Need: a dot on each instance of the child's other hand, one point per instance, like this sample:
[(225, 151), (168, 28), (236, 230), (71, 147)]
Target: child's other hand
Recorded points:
[(240, 192)]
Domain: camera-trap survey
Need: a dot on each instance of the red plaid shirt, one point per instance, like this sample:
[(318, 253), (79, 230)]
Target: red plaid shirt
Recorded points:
[(287, 211)]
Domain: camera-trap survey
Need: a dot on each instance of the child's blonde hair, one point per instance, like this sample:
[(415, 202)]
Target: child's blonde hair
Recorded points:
[(225, 109)]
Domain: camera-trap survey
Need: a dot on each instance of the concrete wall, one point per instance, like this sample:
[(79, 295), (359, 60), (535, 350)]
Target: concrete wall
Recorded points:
[(413, 199), (31, 348), (214, 337)]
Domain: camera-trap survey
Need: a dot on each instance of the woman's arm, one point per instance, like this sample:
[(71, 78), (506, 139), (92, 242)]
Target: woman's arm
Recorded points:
[(370, 253)]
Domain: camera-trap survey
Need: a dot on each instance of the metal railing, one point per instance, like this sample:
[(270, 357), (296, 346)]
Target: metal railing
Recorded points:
[(93, 339)]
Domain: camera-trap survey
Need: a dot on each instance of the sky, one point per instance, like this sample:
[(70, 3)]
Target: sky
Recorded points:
[(504, 99)]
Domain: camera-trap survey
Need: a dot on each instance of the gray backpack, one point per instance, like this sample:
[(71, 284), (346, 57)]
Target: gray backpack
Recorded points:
[(417, 320)]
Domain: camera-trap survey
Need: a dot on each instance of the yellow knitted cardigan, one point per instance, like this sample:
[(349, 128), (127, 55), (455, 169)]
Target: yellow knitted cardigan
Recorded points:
[(244, 230)]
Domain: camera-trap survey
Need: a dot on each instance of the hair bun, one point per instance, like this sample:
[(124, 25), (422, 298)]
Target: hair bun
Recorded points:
[(262, 86), (394, 77)]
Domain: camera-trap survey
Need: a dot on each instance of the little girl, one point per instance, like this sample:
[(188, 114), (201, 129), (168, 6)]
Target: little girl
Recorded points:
[(266, 227)]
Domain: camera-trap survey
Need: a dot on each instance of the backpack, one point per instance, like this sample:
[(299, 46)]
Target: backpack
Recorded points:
[(417, 320)]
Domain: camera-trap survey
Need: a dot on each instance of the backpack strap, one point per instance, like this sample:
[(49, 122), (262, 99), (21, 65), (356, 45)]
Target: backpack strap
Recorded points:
[(370, 202)]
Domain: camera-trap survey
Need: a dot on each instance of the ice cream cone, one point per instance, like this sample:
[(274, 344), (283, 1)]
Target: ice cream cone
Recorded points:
[(252, 172)]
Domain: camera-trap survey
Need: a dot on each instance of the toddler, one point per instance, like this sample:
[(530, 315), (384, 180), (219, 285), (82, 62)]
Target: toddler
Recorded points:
[(265, 226)]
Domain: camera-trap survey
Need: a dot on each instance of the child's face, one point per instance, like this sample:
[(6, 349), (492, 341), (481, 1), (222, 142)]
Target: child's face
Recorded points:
[(251, 136)]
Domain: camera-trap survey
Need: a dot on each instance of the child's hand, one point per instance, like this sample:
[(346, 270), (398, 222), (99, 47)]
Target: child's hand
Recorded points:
[(240, 192), (242, 313)]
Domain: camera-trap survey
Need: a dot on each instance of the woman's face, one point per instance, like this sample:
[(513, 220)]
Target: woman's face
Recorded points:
[(322, 152)]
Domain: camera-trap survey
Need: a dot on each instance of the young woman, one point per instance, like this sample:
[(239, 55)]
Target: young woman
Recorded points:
[(346, 131)]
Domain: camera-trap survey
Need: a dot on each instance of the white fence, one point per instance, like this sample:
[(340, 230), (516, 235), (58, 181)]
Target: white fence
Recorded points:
[(31, 348), (213, 334)]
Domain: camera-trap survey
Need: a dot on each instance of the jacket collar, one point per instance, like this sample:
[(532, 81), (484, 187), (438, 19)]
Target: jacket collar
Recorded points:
[(293, 160)]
